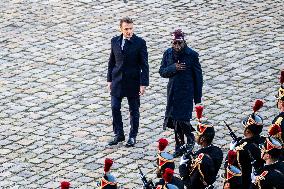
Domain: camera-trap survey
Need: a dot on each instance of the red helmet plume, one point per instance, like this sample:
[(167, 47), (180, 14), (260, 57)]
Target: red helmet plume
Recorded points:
[(163, 143), (199, 110), (65, 185), (108, 164), (257, 105), (232, 156), (168, 175), (274, 129)]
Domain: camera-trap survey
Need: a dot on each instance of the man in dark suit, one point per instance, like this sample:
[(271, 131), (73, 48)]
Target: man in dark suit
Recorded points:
[(128, 76)]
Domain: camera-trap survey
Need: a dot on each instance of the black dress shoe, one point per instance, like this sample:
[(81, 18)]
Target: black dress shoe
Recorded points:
[(131, 142), (116, 140)]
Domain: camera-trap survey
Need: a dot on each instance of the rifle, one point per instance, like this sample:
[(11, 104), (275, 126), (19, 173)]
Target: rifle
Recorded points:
[(237, 139), (146, 184), (232, 134)]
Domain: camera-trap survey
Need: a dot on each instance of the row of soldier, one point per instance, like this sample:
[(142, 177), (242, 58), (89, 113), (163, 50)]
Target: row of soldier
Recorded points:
[(253, 161)]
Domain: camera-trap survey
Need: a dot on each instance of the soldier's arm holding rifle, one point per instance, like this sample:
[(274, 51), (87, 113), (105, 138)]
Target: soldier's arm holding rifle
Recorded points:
[(236, 139)]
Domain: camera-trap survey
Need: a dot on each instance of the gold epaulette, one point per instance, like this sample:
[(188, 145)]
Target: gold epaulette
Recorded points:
[(196, 164), (279, 121), (241, 147), (260, 178), (161, 187)]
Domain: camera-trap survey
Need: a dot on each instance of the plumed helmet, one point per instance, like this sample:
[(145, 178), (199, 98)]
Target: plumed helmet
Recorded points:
[(164, 159), (203, 128), (108, 181), (254, 122), (271, 146)]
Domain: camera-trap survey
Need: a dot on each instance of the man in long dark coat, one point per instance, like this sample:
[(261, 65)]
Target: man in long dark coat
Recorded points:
[(181, 65), (128, 76)]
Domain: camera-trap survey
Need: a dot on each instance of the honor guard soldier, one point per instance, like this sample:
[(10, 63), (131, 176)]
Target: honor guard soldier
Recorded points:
[(165, 161), (233, 175), (275, 131), (199, 170), (108, 181), (280, 105), (247, 149), (272, 174), (279, 119)]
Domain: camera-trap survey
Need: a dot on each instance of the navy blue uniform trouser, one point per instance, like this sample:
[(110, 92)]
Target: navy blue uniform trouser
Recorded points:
[(134, 104)]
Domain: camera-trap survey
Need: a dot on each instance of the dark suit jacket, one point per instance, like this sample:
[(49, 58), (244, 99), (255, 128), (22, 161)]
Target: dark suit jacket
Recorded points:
[(128, 69)]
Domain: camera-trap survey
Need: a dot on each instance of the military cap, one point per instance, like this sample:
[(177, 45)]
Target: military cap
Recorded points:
[(108, 181), (164, 159), (203, 128)]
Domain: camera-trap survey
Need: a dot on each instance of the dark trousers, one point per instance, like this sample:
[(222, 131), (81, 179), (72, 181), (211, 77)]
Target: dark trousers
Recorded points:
[(134, 104), (182, 130)]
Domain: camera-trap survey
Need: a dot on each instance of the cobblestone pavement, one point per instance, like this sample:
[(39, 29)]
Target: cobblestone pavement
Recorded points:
[(55, 111)]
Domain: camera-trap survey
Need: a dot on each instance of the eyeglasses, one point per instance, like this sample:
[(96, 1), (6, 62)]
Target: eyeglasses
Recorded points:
[(177, 42)]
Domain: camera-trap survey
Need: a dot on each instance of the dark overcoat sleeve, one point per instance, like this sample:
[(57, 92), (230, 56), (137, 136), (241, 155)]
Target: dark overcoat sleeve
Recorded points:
[(184, 170), (111, 64), (167, 68), (197, 78), (144, 76)]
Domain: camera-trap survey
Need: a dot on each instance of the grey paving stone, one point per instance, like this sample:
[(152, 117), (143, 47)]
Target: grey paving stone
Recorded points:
[(55, 109)]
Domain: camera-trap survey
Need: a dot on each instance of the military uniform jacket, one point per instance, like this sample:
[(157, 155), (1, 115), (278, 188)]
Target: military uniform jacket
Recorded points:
[(128, 69), (202, 171), (183, 86), (271, 177), (247, 152)]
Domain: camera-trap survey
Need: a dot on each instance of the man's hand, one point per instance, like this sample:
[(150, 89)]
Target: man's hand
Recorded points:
[(180, 66), (109, 86), (142, 90)]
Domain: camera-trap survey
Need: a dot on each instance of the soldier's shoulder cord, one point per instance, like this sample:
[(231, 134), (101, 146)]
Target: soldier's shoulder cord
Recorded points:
[(241, 146)]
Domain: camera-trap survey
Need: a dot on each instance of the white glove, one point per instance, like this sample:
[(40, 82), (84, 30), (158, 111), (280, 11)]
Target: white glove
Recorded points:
[(253, 176), (183, 160), (233, 145)]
